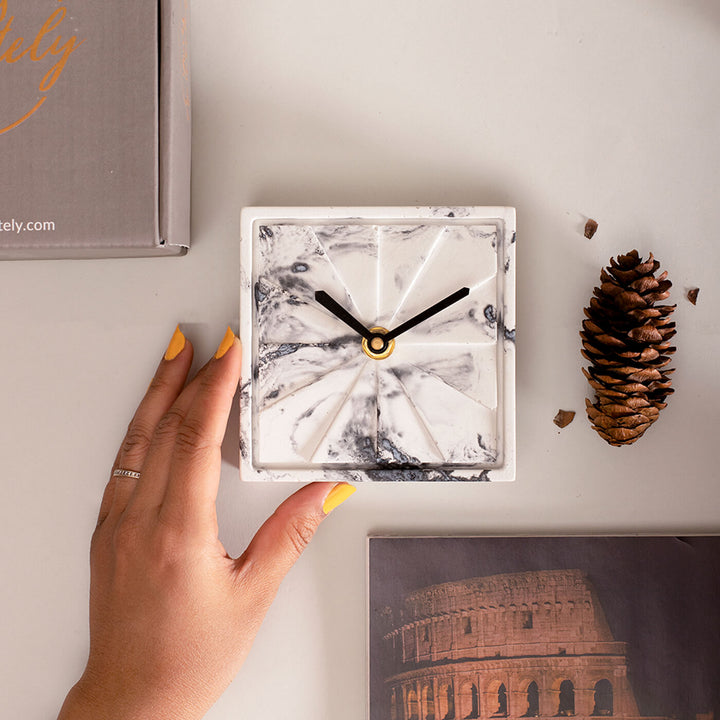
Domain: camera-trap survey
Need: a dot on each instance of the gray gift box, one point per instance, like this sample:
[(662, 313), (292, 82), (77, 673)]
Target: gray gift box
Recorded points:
[(94, 128)]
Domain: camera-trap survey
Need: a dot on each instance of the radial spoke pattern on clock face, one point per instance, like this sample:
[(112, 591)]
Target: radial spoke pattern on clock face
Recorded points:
[(403, 437), (290, 265), (469, 369), (291, 430), (286, 318), (352, 435), (352, 249), (285, 368), (463, 430), (461, 256), (320, 401), (402, 251)]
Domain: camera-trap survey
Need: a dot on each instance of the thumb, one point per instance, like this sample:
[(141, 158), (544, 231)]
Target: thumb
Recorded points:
[(286, 533)]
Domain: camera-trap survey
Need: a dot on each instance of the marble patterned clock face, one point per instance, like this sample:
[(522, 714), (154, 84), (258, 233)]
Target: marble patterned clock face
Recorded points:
[(327, 395)]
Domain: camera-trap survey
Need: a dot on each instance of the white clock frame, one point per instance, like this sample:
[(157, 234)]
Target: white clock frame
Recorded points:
[(502, 218)]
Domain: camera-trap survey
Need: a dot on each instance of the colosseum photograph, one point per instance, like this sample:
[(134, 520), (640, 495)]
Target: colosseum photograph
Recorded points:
[(621, 627)]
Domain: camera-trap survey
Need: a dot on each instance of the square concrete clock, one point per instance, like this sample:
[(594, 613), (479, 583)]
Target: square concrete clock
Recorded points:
[(379, 344)]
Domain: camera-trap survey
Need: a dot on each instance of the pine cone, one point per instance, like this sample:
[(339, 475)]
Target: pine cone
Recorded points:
[(626, 339)]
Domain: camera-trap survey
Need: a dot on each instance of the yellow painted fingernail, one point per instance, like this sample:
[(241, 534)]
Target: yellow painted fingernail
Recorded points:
[(177, 343), (226, 344), (338, 495)]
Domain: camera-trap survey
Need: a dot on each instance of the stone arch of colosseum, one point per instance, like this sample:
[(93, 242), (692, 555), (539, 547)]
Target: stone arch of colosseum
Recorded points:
[(445, 701), (468, 699), (427, 701), (603, 704), (413, 706), (564, 688), (525, 699), (495, 695)]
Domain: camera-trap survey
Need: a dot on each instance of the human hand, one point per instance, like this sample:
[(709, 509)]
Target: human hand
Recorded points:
[(172, 615)]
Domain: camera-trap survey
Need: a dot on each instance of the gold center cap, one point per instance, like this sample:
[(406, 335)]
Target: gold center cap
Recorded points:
[(374, 348)]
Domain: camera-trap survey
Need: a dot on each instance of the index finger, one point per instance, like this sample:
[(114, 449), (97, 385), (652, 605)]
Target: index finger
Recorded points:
[(194, 471)]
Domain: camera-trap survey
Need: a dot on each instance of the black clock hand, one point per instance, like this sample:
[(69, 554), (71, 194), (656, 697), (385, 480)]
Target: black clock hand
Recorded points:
[(425, 314), (339, 311)]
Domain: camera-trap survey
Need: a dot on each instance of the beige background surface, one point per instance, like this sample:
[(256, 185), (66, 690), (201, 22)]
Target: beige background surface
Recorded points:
[(562, 109)]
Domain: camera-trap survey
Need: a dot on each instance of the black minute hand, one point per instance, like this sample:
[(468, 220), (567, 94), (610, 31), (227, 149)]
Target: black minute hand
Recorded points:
[(425, 314), (339, 311)]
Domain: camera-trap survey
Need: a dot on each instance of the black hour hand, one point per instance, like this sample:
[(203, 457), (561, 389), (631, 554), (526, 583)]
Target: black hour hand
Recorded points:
[(425, 314), (340, 312)]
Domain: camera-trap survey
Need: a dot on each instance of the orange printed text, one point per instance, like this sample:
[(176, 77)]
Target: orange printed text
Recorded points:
[(45, 45)]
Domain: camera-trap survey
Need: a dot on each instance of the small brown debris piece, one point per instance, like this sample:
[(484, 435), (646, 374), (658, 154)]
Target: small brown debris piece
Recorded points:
[(590, 228), (692, 295), (564, 418)]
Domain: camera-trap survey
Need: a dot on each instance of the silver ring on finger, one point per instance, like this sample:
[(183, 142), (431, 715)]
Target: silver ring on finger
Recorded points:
[(121, 472)]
